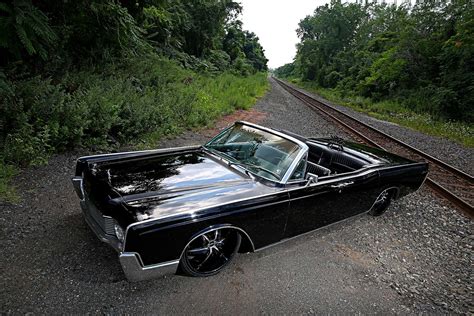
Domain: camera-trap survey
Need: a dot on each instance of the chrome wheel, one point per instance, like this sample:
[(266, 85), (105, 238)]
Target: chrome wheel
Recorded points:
[(382, 202), (210, 252)]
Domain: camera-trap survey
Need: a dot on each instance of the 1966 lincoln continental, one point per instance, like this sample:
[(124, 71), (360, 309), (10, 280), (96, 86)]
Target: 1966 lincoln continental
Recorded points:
[(194, 208)]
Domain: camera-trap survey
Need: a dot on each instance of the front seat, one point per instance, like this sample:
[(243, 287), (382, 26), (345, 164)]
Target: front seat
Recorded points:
[(318, 169)]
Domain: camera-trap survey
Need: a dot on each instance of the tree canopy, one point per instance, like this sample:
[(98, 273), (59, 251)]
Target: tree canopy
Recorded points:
[(196, 32), (101, 73), (422, 55)]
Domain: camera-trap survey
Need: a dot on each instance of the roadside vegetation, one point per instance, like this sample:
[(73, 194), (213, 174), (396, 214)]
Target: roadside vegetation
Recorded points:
[(103, 74), (394, 111), (412, 65)]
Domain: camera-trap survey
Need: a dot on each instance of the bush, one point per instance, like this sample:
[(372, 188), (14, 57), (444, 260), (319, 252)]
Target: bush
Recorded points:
[(114, 104)]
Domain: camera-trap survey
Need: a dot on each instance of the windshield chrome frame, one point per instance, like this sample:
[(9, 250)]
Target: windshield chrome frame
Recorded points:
[(301, 154)]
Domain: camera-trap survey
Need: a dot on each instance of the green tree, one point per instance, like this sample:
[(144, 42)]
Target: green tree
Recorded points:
[(421, 56), (25, 30)]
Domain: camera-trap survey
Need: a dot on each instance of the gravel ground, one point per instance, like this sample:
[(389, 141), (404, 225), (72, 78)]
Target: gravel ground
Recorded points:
[(417, 258), (441, 148)]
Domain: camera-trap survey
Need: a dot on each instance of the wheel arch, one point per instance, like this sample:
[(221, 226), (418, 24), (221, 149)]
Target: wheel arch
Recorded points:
[(396, 189)]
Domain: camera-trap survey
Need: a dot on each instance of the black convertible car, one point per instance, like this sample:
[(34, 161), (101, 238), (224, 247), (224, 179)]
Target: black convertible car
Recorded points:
[(194, 208)]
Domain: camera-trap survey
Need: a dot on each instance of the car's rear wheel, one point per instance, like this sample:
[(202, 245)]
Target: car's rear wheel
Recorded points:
[(208, 253), (382, 202)]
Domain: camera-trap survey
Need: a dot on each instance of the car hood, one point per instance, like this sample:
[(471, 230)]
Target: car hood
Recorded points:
[(165, 185)]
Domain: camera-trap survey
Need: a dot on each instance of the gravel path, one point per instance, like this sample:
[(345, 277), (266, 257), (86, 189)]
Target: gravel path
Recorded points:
[(417, 258), (441, 148)]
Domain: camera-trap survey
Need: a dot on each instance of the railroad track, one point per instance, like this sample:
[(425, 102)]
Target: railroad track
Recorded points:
[(453, 184)]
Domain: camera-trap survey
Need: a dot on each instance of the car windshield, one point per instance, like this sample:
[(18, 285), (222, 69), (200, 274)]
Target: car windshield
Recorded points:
[(260, 152)]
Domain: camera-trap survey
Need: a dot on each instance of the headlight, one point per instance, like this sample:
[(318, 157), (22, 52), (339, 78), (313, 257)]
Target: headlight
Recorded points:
[(119, 232)]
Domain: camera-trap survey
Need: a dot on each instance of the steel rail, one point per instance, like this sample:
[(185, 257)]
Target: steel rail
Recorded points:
[(440, 189)]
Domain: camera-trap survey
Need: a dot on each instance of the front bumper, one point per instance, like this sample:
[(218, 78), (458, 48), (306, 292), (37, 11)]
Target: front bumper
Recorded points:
[(131, 262)]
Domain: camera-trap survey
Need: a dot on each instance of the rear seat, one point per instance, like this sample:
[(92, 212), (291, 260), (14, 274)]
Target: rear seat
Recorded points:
[(341, 159), (333, 159)]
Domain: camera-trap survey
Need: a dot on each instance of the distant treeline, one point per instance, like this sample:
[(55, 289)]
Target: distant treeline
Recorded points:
[(421, 55)]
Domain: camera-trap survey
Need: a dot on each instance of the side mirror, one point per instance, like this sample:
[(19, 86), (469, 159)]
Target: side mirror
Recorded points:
[(312, 178)]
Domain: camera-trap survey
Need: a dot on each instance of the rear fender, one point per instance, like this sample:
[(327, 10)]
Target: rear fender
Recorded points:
[(407, 178)]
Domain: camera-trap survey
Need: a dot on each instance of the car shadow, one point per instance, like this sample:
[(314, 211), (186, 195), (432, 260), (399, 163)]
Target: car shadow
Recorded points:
[(86, 258)]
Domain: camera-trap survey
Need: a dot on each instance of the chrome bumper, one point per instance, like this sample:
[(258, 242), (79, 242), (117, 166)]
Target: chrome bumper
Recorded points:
[(131, 262), (135, 271)]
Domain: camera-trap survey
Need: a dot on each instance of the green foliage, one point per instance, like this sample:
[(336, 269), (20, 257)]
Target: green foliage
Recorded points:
[(118, 29), (220, 59), (244, 50), (66, 34), (25, 28), (422, 56), (207, 24), (397, 112), (115, 104), (329, 31), (286, 71), (385, 73), (100, 73), (7, 191)]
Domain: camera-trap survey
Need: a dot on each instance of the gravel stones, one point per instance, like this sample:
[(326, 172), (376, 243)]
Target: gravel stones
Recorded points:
[(416, 258), (441, 148)]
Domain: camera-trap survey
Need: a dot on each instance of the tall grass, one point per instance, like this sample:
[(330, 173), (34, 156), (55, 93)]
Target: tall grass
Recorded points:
[(7, 191), (136, 101)]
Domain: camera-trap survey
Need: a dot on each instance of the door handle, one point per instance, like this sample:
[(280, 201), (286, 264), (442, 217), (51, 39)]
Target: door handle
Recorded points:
[(341, 185)]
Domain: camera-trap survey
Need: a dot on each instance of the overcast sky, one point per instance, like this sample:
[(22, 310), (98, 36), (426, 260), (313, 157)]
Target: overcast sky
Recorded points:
[(275, 23)]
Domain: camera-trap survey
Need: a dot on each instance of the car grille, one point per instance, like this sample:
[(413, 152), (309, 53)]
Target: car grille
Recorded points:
[(107, 223)]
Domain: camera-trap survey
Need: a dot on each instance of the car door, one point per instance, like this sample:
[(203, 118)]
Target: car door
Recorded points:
[(330, 200)]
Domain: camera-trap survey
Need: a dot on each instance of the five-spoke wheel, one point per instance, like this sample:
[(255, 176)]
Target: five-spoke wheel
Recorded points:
[(210, 252)]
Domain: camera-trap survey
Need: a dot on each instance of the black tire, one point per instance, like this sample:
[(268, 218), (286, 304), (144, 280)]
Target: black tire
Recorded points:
[(208, 253), (382, 202)]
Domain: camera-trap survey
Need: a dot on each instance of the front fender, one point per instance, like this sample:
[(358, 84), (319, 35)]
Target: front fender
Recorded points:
[(157, 242)]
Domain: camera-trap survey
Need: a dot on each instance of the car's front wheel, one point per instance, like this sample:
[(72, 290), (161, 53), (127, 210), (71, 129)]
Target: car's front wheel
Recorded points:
[(208, 253)]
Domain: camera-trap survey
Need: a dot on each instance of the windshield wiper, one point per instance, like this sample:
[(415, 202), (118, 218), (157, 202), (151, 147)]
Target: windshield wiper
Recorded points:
[(256, 167)]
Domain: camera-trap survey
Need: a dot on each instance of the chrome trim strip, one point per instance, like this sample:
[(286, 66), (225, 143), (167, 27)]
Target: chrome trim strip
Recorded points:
[(324, 181), (294, 164), (275, 132), (305, 158), (303, 148), (135, 270), (161, 150), (311, 231)]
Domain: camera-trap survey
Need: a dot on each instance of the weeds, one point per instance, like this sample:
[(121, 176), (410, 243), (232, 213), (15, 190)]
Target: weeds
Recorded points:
[(396, 112), (135, 102), (7, 191)]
